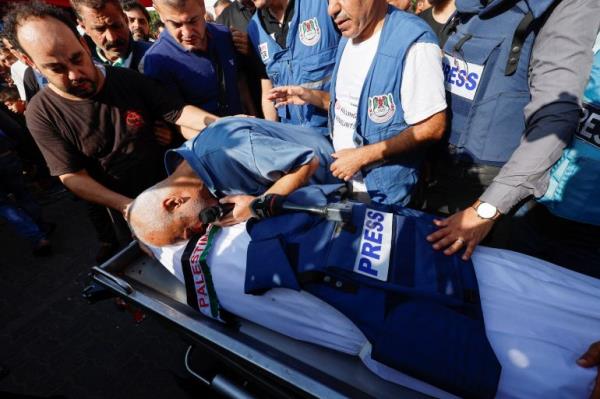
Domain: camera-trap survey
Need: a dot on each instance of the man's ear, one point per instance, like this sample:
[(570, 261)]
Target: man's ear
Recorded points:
[(27, 60), (173, 202)]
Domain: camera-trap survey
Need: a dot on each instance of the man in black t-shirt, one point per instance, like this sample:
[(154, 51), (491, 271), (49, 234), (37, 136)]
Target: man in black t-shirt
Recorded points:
[(93, 124), (251, 69), (437, 15)]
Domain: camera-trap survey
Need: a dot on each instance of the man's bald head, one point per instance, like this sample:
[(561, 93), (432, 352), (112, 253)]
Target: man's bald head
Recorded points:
[(22, 12), (167, 212)]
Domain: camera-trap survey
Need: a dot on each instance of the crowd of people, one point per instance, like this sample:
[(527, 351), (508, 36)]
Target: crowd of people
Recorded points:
[(484, 113)]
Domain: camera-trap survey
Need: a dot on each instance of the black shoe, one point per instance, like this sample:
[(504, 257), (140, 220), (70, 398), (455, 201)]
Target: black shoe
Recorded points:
[(42, 248), (106, 251)]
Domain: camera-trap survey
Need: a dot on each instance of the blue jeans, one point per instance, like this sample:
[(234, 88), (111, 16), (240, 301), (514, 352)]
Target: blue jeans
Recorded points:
[(23, 213)]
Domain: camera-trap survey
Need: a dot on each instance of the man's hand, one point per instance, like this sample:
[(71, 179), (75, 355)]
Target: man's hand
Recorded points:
[(162, 133), (241, 209), (591, 358), (464, 228), (349, 161), (240, 41), (285, 95)]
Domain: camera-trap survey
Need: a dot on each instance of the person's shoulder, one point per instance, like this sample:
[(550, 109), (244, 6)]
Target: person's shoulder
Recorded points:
[(159, 47), (404, 24), (227, 15), (41, 100), (141, 46), (123, 76), (40, 108), (217, 29)]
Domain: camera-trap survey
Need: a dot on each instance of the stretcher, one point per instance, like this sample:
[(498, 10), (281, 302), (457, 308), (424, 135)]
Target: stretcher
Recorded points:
[(243, 360)]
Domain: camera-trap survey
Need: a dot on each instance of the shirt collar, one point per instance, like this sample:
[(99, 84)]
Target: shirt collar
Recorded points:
[(119, 62)]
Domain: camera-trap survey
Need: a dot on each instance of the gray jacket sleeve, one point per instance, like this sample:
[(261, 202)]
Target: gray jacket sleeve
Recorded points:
[(559, 70)]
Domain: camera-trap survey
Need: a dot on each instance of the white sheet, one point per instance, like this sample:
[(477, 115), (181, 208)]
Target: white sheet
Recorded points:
[(539, 317)]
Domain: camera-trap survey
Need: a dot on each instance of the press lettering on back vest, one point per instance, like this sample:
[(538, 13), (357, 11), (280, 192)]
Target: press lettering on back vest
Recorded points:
[(460, 77), (373, 257), (589, 127)]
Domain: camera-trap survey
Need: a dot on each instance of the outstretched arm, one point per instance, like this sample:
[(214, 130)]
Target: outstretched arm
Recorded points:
[(268, 108), (193, 120), (84, 186), (285, 185), (298, 95)]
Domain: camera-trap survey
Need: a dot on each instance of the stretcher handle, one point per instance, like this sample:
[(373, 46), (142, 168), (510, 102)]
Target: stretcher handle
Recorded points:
[(121, 285), (219, 383)]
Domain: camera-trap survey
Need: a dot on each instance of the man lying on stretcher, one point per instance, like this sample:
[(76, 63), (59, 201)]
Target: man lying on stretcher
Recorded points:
[(372, 286)]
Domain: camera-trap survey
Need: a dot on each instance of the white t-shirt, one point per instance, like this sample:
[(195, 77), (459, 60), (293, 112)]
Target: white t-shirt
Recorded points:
[(17, 73), (422, 90), (539, 317)]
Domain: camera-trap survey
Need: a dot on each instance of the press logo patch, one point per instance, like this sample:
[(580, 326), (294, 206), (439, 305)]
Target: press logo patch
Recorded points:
[(373, 258), (381, 108), (309, 32), (460, 77), (263, 49), (589, 125)]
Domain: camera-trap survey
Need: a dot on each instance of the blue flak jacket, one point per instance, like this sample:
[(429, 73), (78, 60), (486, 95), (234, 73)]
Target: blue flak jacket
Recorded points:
[(419, 309), (486, 63), (307, 60), (380, 113), (574, 188)]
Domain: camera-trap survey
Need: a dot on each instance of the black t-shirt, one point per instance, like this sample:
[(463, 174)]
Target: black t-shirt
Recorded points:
[(272, 26), (111, 135), (437, 28), (237, 15)]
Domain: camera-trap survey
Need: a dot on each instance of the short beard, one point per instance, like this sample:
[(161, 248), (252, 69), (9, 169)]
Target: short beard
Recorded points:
[(79, 92)]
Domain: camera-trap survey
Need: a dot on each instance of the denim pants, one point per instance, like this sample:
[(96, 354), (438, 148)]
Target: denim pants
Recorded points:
[(23, 212)]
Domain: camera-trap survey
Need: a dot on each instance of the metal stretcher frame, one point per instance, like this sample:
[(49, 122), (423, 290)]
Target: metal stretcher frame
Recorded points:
[(276, 364)]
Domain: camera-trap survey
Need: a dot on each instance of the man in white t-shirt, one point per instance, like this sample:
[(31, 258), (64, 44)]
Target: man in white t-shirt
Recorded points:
[(387, 98)]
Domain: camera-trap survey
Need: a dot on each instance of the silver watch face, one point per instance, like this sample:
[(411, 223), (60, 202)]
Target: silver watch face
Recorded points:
[(486, 211)]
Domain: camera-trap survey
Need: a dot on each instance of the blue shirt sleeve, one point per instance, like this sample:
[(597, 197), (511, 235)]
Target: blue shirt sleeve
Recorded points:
[(273, 158)]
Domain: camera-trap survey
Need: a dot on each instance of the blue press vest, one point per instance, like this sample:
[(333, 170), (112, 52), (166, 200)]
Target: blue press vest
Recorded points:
[(380, 115), (422, 317), (574, 188), (486, 78), (307, 61)]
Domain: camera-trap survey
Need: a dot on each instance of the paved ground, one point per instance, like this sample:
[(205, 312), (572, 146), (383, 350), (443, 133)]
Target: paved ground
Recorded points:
[(57, 345)]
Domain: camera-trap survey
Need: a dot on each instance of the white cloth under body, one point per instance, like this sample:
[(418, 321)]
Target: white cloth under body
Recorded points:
[(539, 317)]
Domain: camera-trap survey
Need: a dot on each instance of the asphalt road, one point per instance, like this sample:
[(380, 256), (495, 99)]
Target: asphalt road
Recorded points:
[(54, 344)]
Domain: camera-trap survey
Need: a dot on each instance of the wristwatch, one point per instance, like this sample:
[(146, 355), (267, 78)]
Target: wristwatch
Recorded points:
[(486, 211)]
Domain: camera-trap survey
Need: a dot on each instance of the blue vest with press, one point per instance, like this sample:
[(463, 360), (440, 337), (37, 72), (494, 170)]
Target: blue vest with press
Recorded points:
[(418, 308), (307, 61), (574, 188), (486, 63), (380, 115)]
